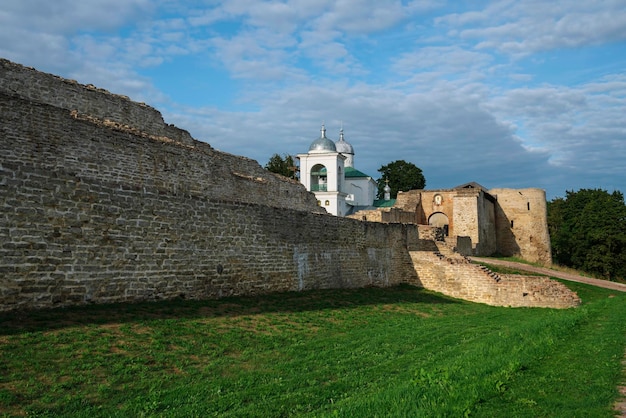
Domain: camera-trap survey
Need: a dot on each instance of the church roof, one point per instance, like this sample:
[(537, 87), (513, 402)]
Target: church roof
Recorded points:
[(351, 172), (384, 203), (323, 144)]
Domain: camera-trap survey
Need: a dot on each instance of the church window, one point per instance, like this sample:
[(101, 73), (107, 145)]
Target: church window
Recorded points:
[(511, 224), (327, 203), (319, 178), (528, 205)]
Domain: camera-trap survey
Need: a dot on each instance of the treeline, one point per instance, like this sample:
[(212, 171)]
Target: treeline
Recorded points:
[(588, 232)]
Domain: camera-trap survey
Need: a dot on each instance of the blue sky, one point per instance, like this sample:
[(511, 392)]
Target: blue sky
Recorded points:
[(515, 94)]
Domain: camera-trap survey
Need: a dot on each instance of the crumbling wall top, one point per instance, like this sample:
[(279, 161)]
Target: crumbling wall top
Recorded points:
[(30, 84)]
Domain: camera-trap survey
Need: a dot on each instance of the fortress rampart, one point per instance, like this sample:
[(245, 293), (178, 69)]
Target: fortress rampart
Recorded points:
[(94, 210), (523, 224), (509, 222), (38, 87), (101, 201), (448, 272)]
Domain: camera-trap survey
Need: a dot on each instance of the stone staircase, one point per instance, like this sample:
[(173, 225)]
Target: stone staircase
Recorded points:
[(447, 253), (440, 268)]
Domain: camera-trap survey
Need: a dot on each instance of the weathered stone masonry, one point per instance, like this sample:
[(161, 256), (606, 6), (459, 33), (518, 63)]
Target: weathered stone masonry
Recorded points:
[(97, 211), (88, 100), (448, 272), (101, 201)]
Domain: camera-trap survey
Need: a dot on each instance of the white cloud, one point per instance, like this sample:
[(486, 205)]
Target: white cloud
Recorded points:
[(448, 90), (521, 28), (66, 16), (449, 135), (249, 55), (581, 127), (443, 59), (361, 16)]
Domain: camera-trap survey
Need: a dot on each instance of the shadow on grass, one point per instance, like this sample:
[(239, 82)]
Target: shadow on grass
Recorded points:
[(50, 319)]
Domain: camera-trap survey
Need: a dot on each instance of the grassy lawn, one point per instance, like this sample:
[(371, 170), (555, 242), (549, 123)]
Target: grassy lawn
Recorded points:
[(398, 352)]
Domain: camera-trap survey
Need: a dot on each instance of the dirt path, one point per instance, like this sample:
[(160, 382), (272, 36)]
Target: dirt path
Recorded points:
[(620, 405), (554, 273)]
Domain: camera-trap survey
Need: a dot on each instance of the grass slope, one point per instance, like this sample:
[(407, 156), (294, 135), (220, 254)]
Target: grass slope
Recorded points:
[(392, 352)]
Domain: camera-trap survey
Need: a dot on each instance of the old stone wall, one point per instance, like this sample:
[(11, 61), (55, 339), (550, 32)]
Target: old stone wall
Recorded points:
[(511, 222), (74, 243), (454, 276), (408, 201), (465, 214), (429, 205), (474, 218), (374, 215), (97, 211), (101, 201), (32, 85), (53, 139), (385, 215), (522, 224), (487, 244)]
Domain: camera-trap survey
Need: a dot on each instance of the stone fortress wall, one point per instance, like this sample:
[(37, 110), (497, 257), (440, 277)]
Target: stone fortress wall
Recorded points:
[(85, 99), (523, 224), (95, 210), (101, 201), (124, 142), (440, 268), (509, 222)]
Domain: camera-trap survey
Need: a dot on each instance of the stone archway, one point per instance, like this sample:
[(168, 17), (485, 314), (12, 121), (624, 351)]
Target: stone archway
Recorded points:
[(440, 220)]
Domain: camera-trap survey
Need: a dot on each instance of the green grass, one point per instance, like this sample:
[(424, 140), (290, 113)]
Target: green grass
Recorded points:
[(398, 352)]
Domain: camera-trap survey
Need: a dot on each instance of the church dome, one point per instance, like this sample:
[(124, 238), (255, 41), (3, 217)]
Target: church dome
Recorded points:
[(343, 146), (323, 144)]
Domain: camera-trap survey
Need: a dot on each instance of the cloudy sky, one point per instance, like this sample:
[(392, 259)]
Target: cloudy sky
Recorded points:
[(520, 93)]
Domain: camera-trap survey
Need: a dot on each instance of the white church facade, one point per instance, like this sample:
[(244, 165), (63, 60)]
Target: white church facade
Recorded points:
[(328, 171)]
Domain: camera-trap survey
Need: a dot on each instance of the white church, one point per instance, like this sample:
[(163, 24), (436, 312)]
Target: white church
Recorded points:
[(328, 171)]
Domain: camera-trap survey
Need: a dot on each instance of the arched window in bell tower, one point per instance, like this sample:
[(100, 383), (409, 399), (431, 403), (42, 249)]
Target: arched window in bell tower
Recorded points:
[(319, 178)]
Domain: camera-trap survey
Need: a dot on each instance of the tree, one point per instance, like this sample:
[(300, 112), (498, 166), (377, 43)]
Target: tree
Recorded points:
[(283, 165), (402, 176), (588, 232)]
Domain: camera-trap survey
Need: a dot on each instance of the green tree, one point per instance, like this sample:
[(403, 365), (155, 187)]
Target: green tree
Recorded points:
[(402, 176), (283, 165), (588, 232)]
